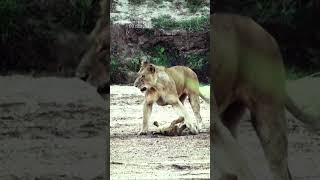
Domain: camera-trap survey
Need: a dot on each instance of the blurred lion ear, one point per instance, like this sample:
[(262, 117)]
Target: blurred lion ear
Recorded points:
[(144, 63), (151, 68)]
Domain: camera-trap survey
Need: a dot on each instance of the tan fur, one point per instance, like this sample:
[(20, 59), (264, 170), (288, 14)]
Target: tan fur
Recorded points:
[(248, 72), (169, 86)]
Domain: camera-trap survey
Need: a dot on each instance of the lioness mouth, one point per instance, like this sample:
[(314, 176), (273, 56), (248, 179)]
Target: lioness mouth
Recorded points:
[(143, 89)]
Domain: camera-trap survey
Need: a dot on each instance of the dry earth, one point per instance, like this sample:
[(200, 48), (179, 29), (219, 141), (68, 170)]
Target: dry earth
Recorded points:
[(146, 157), (48, 127)]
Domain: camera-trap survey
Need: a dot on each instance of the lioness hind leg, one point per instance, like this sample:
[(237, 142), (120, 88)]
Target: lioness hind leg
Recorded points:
[(182, 98), (231, 117), (228, 177), (271, 127), (195, 105), (182, 112)]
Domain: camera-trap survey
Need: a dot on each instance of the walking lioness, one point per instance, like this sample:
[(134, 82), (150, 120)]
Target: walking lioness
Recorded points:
[(248, 73), (169, 86)]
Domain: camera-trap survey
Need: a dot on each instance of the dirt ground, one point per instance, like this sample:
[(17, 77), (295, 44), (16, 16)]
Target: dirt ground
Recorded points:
[(48, 127), (155, 157), (151, 156)]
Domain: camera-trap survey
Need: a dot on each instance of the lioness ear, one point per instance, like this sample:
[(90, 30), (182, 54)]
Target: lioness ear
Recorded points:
[(151, 68), (144, 63)]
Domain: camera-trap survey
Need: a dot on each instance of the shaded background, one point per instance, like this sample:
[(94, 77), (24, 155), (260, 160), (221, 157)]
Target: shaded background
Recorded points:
[(42, 37), (293, 23), (51, 127), (38, 37)]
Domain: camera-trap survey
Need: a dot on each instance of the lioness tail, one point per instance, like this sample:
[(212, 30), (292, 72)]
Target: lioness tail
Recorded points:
[(207, 100), (311, 121)]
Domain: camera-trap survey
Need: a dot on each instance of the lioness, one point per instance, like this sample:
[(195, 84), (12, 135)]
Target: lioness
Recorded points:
[(169, 86), (248, 72)]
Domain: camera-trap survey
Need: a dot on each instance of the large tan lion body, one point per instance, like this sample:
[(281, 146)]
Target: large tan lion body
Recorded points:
[(246, 64), (247, 72), (184, 79), (169, 86)]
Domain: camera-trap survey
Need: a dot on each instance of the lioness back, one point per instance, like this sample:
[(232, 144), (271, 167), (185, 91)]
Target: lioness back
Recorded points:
[(246, 58), (186, 79)]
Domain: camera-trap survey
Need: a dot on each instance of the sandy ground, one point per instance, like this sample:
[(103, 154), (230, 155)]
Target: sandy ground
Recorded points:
[(147, 157), (159, 157), (48, 128)]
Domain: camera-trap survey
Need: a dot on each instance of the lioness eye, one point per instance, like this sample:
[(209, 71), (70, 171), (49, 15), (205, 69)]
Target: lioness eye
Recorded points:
[(142, 76)]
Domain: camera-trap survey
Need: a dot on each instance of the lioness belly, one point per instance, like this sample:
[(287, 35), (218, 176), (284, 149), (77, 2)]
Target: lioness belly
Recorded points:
[(161, 102)]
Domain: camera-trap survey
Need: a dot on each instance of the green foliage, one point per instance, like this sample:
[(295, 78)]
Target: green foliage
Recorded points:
[(195, 5), (136, 2), (160, 57), (199, 63), (114, 66), (134, 64), (10, 12), (196, 61), (149, 32), (163, 55), (294, 73), (164, 21), (283, 12), (194, 24), (161, 1), (80, 14)]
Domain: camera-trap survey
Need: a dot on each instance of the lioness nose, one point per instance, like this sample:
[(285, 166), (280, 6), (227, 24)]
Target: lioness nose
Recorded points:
[(84, 78)]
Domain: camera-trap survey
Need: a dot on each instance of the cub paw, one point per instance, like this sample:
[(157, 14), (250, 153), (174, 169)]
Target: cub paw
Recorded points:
[(142, 132)]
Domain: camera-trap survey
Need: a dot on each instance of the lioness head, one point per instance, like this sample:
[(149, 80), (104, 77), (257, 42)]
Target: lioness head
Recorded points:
[(93, 67), (146, 76)]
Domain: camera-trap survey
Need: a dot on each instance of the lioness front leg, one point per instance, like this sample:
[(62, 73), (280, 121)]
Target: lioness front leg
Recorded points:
[(147, 109), (182, 112)]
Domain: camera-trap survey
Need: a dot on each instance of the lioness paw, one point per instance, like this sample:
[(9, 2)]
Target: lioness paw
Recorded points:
[(192, 127), (200, 126)]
